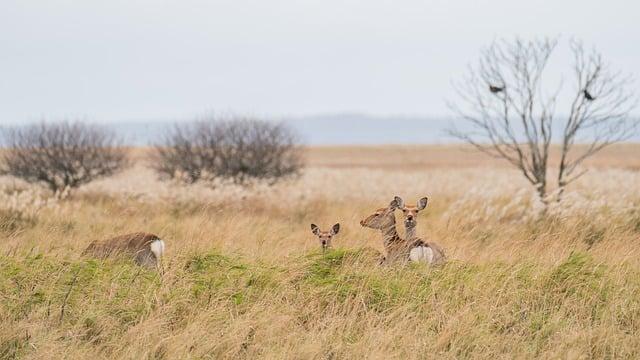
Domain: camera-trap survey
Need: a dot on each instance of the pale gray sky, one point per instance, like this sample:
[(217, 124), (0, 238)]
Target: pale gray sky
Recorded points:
[(123, 60)]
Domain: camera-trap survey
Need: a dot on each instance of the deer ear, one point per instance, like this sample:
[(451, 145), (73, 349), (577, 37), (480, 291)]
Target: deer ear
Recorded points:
[(335, 228), (315, 229), (399, 203), (422, 203), (393, 204)]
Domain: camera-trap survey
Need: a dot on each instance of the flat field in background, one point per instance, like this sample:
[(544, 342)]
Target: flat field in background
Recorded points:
[(244, 278)]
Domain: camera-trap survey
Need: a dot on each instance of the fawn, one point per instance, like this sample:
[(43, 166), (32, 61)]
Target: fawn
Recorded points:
[(145, 248), (325, 237), (410, 223)]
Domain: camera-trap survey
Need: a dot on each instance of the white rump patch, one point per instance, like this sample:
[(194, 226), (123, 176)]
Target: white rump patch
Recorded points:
[(421, 253), (157, 248)]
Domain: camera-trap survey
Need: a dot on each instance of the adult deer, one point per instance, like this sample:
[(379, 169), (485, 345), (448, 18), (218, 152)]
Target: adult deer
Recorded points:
[(410, 214), (398, 249), (146, 249)]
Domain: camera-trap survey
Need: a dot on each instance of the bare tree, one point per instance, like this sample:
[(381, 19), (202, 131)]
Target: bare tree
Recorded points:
[(513, 118), (239, 149), (62, 154), (188, 151), (257, 149), (601, 106)]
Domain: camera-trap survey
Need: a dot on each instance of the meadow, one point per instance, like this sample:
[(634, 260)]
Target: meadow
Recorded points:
[(243, 276)]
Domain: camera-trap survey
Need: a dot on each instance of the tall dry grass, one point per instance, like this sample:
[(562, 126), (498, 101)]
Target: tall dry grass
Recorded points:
[(244, 277)]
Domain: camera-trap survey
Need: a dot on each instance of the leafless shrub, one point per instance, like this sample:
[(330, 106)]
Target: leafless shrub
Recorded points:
[(512, 117), (239, 149), (61, 155)]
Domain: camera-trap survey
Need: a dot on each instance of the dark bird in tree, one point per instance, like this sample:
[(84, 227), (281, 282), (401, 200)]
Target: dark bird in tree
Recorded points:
[(525, 141), (587, 95), (496, 89)]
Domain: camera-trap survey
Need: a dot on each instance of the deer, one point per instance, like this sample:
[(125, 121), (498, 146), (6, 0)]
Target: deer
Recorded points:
[(410, 214), (397, 248), (146, 249), (325, 237)]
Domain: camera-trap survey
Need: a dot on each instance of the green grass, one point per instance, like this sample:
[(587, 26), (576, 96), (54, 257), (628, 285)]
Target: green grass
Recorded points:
[(94, 304)]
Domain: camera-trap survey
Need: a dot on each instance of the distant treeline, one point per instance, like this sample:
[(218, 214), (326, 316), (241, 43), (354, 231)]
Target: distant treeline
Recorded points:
[(347, 129)]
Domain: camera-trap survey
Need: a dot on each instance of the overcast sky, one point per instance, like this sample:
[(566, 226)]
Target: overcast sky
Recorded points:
[(145, 60)]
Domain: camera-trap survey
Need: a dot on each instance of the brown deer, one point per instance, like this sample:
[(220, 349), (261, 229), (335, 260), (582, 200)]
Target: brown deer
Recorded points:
[(397, 249), (384, 219), (410, 214), (325, 237), (145, 248)]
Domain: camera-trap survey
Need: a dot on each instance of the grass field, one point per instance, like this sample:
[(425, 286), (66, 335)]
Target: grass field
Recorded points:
[(244, 277)]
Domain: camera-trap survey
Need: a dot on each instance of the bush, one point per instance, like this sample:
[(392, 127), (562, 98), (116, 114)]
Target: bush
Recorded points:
[(61, 155), (237, 149)]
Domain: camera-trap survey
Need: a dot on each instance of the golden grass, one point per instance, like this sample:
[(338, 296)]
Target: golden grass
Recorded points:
[(450, 156), (244, 278)]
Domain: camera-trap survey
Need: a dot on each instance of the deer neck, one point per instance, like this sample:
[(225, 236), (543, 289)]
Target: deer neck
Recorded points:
[(410, 232), (390, 236)]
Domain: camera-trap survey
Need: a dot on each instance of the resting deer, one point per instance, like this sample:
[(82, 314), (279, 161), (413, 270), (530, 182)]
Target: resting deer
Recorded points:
[(325, 237), (410, 223), (397, 249), (145, 248)]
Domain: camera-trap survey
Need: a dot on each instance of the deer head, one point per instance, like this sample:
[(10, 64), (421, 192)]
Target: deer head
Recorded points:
[(325, 237), (410, 212), (382, 218)]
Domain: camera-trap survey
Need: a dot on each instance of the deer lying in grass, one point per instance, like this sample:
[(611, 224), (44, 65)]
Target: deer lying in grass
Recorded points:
[(410, 214), (146, 249), (398, 249), (325, 237)]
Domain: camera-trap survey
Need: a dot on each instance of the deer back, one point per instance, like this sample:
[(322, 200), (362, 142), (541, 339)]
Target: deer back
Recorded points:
[(128, 243)]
